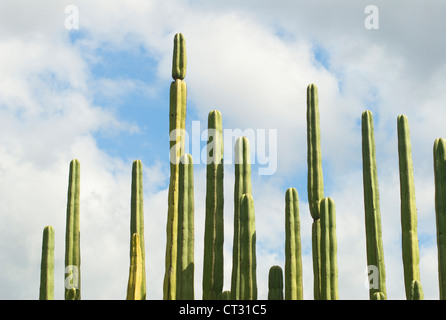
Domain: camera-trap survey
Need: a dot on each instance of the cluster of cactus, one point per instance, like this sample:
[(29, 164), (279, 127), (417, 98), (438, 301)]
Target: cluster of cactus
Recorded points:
[(179, 263)]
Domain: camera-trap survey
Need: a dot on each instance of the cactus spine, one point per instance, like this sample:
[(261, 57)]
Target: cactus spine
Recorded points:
[(72, 236), (275, 283), (375, 252), (136, 271), (214, 227), (47, 265), (411, 254), (329, 265), (315, 179), (293, 248), (137, 220), (242, 186), (185, 259), (177, 124), (440, 210), (248, 264)]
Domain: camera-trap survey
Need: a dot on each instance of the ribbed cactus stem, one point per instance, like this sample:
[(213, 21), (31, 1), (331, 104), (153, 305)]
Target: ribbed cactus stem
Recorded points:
[(242, 186), (375, 252), (136, 270), (47, 265), (411, 253), (378, 296), (214, 220), (440, 210), (315, 182), (293, 247), (416, 291), (185, 260), (225, 295), (137, 219), (329, 265), (275, 283), (248, 264), (72, 235), (177, 124)]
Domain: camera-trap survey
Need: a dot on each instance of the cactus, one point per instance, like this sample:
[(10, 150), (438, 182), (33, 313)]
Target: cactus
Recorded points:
[(329, 265), (315, 184), (137, 220), (378, 296), (440, 210), (136, 271), (72, 236), (242, 186), (47, 265), (248, 264), (185, 259), (375, 252), (416, 291), (177, 124), (225, 295), (214, 227), (275, 283), (411, 254), (293, 248)]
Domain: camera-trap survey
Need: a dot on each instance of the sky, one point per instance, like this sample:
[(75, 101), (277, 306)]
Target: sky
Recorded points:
[(90, 80)]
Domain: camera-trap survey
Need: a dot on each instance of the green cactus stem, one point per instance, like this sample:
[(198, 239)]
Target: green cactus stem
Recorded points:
[(440, 210), (248, 264), (137, 219), (185, 260), (136, 270), (214, 220), (329, 265), (275, 283), (293, 247), (47, 265), (242, 186), (179, 62), (72, 236), (375, 252), (225, 295), (416, 291), (177, 124), (378, 296), (411, 253)]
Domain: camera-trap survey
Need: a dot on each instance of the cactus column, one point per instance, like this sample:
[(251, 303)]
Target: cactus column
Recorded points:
[(72, 236), (440, 210), (411, 253), (242, 186), (185, 259), (248, 264), (214, 227), (47, 265), (329, 265), (293, 248), (137, 220), (315, 179), (275, 283), (177, 124), (375, 252), (136, 270)]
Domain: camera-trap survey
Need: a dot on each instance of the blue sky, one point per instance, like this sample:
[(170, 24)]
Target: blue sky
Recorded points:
[(100, 93)]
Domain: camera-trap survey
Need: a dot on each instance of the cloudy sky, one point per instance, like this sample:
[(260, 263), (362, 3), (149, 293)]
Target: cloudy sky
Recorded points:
[(96, 88)]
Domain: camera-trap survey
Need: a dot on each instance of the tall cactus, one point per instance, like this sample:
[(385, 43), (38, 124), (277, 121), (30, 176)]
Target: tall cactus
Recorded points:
[(47, 265), (293, 247), (375, 252), (248, 264), (185, 259), (411, 253), (72, 236), (135, 282), (329, 265), (214, 227), (440, 210), (137, 220), (242, 186), (275, 283), (315, 182), (177, 124)]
